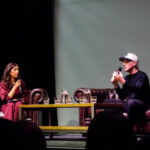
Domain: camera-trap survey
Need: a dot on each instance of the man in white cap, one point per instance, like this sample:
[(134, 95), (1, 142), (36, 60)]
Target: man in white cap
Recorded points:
[(135, 90)]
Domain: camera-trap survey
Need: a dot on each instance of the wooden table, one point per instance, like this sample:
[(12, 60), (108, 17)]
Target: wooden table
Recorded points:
[(72, 129), (49, 128)]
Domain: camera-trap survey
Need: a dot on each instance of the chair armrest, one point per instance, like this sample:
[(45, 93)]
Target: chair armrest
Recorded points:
[(37, 95)]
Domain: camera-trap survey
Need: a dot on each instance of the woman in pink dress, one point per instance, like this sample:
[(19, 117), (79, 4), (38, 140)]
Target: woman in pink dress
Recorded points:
[(13, 92)]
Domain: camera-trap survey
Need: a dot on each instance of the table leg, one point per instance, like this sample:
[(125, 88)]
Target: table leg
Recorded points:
[(92, 112), (20, 113)]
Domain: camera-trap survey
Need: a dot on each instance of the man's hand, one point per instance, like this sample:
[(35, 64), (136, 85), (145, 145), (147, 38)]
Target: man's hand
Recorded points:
[(119, 77), (113, 80), (113, 77)]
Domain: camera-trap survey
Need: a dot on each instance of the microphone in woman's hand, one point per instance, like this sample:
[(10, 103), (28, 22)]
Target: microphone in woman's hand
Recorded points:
[(20, 89)]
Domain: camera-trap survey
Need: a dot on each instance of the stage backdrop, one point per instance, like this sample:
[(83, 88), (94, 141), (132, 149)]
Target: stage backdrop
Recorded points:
[(90, 36), (26, 35)]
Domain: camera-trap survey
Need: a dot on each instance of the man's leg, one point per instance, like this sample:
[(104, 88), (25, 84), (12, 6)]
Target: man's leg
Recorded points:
[(114, 101), (136, 111)]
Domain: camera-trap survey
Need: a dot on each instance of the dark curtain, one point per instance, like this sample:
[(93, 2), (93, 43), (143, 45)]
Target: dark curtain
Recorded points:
[(27, 37)]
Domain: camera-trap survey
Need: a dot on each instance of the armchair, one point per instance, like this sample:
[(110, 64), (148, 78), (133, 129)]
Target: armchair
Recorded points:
[(102, 94), (35, 97)]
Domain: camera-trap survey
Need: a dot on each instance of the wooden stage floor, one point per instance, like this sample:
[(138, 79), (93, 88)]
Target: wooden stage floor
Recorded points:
[(66, 142)]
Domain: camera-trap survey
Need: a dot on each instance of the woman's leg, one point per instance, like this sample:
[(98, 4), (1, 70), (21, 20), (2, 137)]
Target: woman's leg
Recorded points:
[(16, 112), (8, 110)]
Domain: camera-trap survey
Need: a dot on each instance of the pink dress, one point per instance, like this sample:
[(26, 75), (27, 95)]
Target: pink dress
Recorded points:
[(9, 108)]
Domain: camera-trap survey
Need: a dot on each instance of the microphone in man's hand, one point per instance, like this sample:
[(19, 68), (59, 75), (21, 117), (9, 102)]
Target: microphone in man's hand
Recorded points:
[(119, 69), (20, 89)]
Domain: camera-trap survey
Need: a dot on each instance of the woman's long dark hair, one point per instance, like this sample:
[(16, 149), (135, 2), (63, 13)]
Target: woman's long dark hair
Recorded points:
[(6, 76)]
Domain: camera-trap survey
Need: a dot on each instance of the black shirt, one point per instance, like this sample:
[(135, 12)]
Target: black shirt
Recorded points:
[(136, 87)]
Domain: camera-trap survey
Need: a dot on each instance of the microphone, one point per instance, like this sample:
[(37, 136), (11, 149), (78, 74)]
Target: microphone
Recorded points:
[(119, 69), (20, 89)]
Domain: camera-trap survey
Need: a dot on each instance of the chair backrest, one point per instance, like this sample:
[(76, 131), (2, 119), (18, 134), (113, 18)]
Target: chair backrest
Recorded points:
[(102, 94)]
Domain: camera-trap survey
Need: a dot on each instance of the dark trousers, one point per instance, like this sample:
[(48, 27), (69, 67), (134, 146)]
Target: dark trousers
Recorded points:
[(135, 109)]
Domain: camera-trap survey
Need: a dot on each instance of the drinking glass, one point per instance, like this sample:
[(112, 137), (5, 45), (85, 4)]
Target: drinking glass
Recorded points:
[(46, 100), (93, 99)]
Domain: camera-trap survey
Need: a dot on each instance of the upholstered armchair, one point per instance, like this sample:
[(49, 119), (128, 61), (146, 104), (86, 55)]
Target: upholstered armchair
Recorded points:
[(36, 97), (102, 94)]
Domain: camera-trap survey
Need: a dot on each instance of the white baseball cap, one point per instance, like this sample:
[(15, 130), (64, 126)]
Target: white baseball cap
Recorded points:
[(129, 56)]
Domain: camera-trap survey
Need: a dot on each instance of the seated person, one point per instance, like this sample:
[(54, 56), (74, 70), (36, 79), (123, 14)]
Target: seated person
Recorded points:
[(8, 137), (135, 90), (143, 143), (30, 135), (110, 130), (13, 92)]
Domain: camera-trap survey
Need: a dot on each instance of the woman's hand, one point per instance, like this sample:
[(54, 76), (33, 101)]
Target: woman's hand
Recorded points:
[(17, 84)]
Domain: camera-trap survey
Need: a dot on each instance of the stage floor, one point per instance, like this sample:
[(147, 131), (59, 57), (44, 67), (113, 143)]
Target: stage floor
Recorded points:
[(69, 141), (66, 142)]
